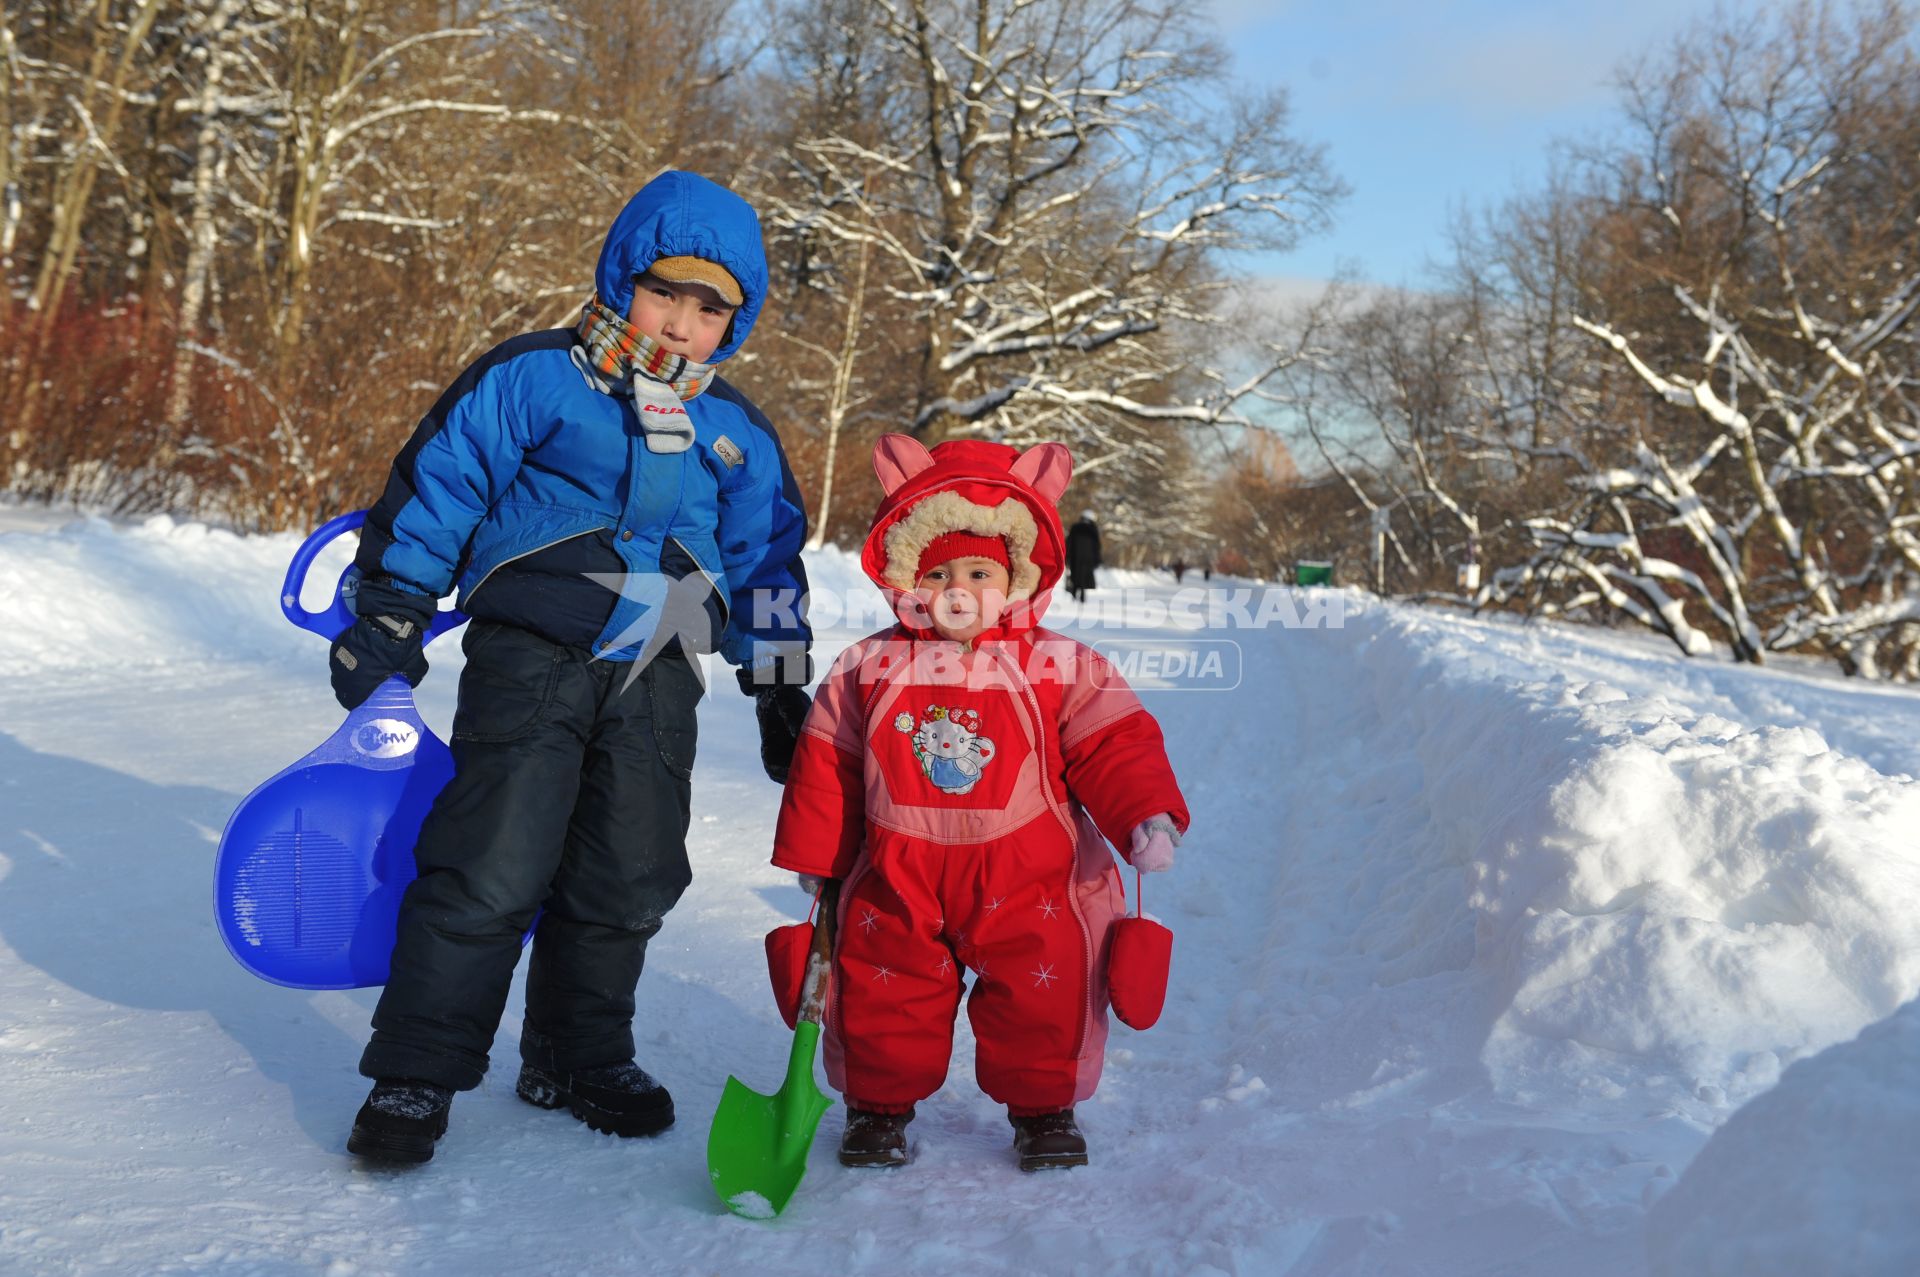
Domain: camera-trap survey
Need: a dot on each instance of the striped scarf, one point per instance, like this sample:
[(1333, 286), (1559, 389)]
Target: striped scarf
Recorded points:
[(620, 352), (659, 381)]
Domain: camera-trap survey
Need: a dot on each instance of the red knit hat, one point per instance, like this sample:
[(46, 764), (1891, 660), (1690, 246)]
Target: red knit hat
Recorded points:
[(963, 545)]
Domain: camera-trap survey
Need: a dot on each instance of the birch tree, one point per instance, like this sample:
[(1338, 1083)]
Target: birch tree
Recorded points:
[(91, 68), (222, 52), (361, 75)]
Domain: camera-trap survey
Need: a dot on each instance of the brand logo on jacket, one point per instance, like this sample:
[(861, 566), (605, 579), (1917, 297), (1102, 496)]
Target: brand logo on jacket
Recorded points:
[(728, 451)]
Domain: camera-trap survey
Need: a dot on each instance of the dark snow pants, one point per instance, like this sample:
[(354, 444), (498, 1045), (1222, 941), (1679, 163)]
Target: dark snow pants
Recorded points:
[(570, 794)]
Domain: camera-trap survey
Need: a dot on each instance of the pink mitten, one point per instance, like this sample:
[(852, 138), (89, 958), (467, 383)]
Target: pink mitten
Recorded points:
[(1153, 842)]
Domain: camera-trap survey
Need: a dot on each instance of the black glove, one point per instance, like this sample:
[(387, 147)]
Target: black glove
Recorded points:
[(780, 708), (385, 641)]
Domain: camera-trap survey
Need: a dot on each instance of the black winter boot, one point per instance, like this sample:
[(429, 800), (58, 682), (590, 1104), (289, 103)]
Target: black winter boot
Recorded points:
[(1048, 1140), (874, 1139), (616, 1099), (400, 1120)]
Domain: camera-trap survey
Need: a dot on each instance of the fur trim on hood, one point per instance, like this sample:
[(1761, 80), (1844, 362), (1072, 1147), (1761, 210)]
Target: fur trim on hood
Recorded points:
[(969, 485), (934, 516)]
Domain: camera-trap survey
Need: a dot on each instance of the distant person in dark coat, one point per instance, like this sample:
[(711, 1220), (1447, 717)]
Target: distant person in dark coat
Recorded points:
[(1083, 556)]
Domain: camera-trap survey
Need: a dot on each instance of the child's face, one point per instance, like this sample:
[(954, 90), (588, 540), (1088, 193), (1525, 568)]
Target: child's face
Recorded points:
[(688, 319), (965, 596)]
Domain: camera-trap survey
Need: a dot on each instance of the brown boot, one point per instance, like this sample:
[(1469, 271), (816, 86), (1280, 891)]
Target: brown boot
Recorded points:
[(874, 1139), (1048, 1140)]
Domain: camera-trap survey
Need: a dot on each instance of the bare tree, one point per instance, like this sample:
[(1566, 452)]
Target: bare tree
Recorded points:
[(1046, 200), (1677, 387), (1775, 213)]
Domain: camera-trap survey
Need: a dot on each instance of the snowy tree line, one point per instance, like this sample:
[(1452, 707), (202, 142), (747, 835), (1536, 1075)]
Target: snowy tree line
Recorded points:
[(1677, 388), (246, 241)]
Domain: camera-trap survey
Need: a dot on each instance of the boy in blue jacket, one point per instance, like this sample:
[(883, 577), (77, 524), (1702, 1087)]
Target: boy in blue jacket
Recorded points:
[(606, 507)]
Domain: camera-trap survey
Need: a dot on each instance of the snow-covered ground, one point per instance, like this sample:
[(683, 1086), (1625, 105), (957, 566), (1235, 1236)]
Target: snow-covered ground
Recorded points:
[(1483, 931)]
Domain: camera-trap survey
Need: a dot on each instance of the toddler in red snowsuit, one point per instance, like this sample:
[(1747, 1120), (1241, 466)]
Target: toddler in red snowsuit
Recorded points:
[(963, 773)]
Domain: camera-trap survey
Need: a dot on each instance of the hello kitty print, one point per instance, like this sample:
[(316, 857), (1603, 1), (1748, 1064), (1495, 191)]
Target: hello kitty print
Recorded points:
[(947, 742)]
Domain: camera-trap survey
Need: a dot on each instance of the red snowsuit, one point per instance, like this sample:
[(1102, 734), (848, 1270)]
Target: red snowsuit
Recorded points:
[(963, 797)]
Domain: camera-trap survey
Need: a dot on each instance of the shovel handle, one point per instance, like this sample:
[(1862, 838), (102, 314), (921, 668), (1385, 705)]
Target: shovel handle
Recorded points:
[(813, 990)]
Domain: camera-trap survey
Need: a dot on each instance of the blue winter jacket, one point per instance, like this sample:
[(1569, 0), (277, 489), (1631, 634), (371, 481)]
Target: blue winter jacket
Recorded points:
[(530, 477)]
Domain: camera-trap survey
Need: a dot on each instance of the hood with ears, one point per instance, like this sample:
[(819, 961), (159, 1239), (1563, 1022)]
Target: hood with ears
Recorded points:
[(969, 485), (680, 214)]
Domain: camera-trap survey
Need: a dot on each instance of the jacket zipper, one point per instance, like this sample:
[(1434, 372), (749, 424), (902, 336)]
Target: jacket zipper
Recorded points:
[(713, 582)]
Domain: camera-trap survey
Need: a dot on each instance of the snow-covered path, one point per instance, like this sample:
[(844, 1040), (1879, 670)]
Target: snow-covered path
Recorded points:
[(1473, 954)]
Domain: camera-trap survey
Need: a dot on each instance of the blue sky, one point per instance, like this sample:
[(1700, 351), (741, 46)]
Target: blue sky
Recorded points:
[(1429, 107)]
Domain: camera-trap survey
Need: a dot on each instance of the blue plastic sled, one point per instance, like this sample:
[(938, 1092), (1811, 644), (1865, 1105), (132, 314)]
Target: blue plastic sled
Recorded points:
[(312, 865)]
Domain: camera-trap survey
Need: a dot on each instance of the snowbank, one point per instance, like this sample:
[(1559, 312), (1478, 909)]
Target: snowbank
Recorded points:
[(34, 516), (95, 595), (1482, 929), (1819, 1175), (86, 592), (1667, 903), (1660, 898)]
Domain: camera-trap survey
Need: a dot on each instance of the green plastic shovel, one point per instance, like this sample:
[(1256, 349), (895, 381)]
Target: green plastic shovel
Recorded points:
[(757, 1149)]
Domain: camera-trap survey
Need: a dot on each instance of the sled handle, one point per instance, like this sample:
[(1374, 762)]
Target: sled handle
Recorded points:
[(813, 993), (338, 615)]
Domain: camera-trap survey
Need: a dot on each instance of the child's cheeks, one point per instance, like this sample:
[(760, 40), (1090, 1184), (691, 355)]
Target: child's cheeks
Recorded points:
[(956, 614), (964, 597)]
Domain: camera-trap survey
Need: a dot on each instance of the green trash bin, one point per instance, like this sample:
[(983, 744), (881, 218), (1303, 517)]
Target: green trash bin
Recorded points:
[(1313, 572)]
